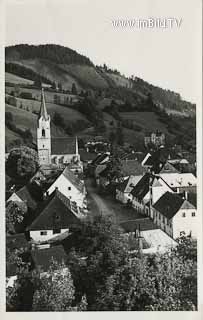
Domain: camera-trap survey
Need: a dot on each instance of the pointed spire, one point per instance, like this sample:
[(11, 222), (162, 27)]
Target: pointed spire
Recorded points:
[(43, 110), (76, 145)]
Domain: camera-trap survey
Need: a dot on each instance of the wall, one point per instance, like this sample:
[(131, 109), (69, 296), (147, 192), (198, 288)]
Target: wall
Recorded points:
[(36, 236), (63, 186), (123, 196), (186, 224), (162, 222)]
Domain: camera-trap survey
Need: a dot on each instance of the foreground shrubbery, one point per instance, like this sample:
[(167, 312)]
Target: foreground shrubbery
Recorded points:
[(101, 276)]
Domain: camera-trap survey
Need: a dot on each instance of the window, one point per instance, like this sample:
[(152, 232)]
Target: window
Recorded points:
[(43, 133), (193, 214), (43, 233), (183, 215), (69, 188), (56, 231)]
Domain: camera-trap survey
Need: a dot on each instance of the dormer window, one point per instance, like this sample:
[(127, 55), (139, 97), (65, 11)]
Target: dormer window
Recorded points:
[(43, 133)]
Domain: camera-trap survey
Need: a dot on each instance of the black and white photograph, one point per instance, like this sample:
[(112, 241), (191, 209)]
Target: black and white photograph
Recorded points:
[(102, 156)]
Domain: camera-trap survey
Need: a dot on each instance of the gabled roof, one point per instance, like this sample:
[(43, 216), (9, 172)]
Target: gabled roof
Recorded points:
[(177, 180), (157, 159), (25, 194), (170, 203), (168, 168), (43, 258), (128, 184), (55, 212), (69, 175), (132, 167), (62, 146), (142, 187), (87, 156), (99, 159)]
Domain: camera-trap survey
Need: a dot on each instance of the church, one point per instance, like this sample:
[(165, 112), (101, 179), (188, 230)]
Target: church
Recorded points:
[(59, 151)]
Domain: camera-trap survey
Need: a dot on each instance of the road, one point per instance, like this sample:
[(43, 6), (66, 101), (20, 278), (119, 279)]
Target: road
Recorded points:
[(106, 205), (96, 203)]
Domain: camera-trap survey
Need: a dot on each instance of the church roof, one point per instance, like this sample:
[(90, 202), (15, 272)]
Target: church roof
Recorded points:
[(62, 146), (43, 110)]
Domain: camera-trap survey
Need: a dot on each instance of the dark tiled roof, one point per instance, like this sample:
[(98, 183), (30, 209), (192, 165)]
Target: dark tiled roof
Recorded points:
[(55, 212), (122, 186), (43, 258), (87, 156), (60, 146), (69, 175), (168, 168), (132, 167), (142, 187), (99, 159), (16, 241), (170, 203), (25, 194), (157, 159)]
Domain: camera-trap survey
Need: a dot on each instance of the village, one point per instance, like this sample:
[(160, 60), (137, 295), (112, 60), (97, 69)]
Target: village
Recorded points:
[(151, 196)]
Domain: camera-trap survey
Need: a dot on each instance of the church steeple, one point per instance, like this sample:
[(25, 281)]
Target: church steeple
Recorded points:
[(44, 134), (43, 110)]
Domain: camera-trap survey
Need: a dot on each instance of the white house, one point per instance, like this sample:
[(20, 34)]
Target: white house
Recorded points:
[(149, 188), (56, 216), (175, 215), (123, 190), (180, 181), (71, 187)]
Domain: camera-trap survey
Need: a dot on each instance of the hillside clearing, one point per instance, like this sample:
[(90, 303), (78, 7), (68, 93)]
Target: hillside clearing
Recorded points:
[(12, 78), (147, 120)]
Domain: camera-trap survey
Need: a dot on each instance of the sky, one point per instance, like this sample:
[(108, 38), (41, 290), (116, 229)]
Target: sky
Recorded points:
[(168, 57)]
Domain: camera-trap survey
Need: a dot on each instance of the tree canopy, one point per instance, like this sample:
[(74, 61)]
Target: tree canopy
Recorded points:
[(22, 163)]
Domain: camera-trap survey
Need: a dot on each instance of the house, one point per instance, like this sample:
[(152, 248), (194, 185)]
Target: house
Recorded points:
[(51, 150), (180, 182), (123, 190), (168, 168), (132, 167), (26, 194), (147, 191), (56, 215), (126, 167), (175, 215), (70, 186), (86, 157), (156, 160), (157, 138)]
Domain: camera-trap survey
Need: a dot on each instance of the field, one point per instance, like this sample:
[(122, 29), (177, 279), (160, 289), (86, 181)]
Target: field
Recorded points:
[(12, 78), (36, 93), (49, 70), (87, 75), (26, 120), (68, 114), (147, 120)]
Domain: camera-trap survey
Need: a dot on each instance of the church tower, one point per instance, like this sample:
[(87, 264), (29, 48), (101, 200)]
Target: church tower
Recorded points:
[(44, 134)]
